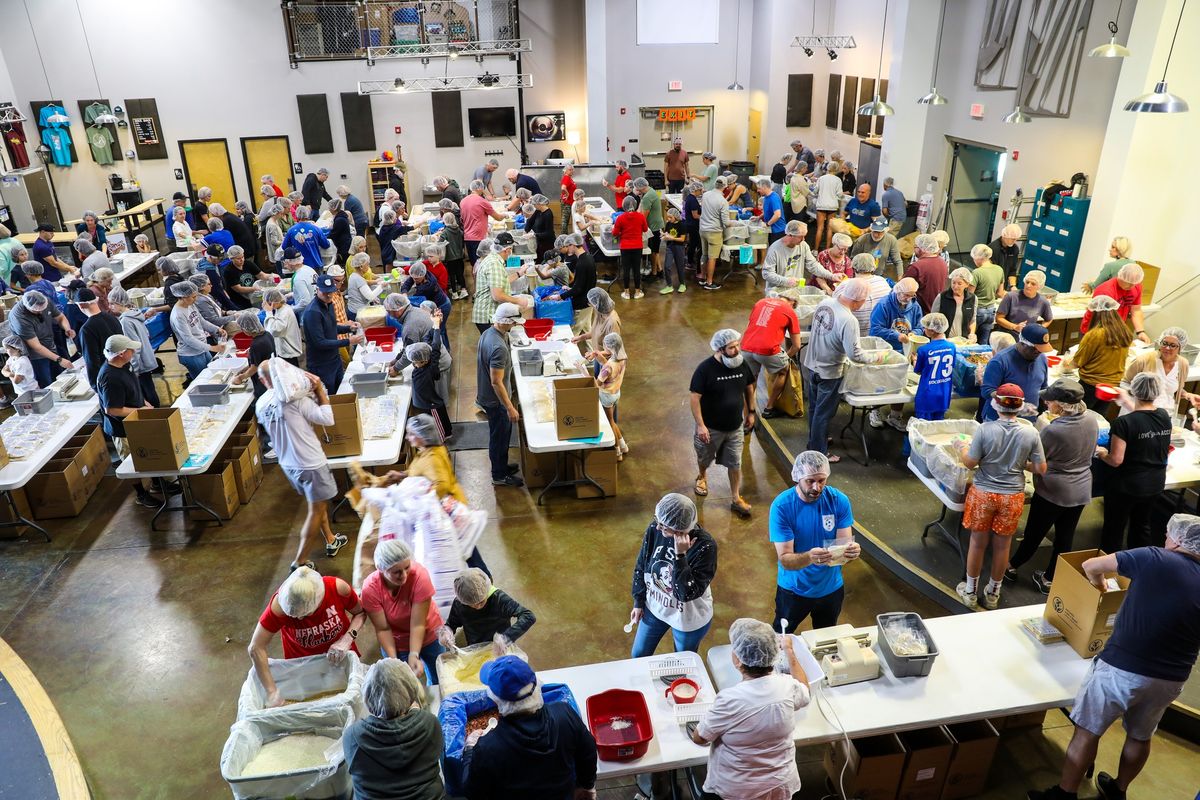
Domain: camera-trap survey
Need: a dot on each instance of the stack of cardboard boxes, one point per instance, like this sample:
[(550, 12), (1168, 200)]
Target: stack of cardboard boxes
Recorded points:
[(577, 416), (344, 437), (67, 482), (234, 474)]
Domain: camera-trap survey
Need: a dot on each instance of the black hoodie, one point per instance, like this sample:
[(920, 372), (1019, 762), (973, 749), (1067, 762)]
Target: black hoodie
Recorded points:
[(396, 759), (545, 755)]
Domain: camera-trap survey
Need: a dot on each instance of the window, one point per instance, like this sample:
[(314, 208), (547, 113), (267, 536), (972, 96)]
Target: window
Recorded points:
[(672, 22)]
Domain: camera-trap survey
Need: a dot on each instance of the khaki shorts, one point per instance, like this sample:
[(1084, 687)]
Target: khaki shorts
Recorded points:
[(1109, 693), (711, 243), (582, 321), (122, 447), (724, 447), (775, 364), (894, 228)]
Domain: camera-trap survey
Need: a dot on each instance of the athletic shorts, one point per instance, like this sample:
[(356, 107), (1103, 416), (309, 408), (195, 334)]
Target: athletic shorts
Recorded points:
[(1108, 693), (315, 484), (775, 364), (989, 511)]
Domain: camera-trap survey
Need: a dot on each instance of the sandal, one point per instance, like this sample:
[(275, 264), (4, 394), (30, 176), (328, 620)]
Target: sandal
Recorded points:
[(701, 487), (833, 459), (740, 507)]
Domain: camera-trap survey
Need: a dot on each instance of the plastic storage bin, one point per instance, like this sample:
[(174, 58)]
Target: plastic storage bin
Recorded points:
[(529, 361), (247, 737), (381, 336), (924, 436), (369, 384), (331, 686), (885, 378), (906, 666), (539, 329), (625, 743), (38, 401), (209, 394)]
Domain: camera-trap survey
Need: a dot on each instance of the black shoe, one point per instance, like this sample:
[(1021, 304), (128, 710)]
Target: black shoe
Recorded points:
[(508, 480), (1010, 575), (147, 500), (1107, 785), (172, 487), (712, 286), (1041, 582), (770, 413), (332, 548), (1055, 792), (294, 566), (512, 469)]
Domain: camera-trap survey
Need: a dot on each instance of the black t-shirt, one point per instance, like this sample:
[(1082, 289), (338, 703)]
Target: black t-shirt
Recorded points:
[(117, 387), (92, 335), (262, 347), (675, 230), (1147, 437), (584, 270), (245, 277), (722, 393), (778, 173), (169, 296), (199, 212)]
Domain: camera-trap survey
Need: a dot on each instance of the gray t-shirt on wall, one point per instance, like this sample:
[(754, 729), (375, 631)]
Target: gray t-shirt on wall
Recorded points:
[(492, 354), (1068, 443), (1002, 447)]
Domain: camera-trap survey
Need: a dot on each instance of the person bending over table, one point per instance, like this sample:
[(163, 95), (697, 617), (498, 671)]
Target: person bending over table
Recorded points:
[(1023, 364), (803, 519), (1002, 449), (398, 597), (892, 319), (934, 362), (1021, 307), (750, 725), (1144, 665), (315, 615), (723, 407), (672, 579), (485, 613), (1102, 352), (191, 331), (1126, 289), (771, 341), (280, 321)]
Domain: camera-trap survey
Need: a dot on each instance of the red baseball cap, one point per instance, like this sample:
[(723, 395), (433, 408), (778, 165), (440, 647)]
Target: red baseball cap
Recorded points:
[(1009, 395)]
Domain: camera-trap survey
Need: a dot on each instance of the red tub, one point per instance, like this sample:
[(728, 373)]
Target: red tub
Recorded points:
[(620, 706), (539, 329)]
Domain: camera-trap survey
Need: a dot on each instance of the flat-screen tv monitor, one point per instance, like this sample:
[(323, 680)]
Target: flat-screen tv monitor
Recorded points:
[(492, 122)]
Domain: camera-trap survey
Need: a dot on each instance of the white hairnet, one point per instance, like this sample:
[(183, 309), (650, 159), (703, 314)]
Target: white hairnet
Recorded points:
[(906, 286), (34, 300), (810, 462), (935, 322), (183, 289), (1145, 387), (1177, 332), (795, 228), (1103, 302), (247, 320), (395, 301), (301, 593), (754, 643), (600, 300), (418, 271), (675, 511), (614, 344), (1035, 275), (423, 426), (864, 262), (575, 239), (119, 297), (965, 275), (472, 586), (842, 240), (1184, 529), (723, 338), (926, 244), (855, 289), (391, 688), (390, 553), (418, 351), (1131, 273)]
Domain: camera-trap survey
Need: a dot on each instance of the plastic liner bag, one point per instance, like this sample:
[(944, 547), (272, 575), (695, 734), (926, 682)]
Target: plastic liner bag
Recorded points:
[(949, 471), (247, 737), (874, 344), (737, 233), (458, 669), (468, 524), (409, 250), (924, 436), (289, 381), (457, 710), (331, 686), (904, 637), (885, 377)]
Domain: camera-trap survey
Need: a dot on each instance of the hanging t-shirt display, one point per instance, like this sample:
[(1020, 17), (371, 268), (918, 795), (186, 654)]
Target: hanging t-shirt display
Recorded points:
[(59, 142), (100, 139), (53, 116), (95, 111), (14, 143)]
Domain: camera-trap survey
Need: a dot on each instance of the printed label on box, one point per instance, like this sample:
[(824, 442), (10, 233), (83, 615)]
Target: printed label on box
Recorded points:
[(926, 774), (196, 461)]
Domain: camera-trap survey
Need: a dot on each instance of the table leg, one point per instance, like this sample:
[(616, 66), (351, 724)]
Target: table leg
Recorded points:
[(19, 521), (338, 506), (954, 539), (561, 469), (187, 502)]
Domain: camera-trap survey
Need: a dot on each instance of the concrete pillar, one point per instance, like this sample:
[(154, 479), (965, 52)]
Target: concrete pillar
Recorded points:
[(912, 28), (595, 42)]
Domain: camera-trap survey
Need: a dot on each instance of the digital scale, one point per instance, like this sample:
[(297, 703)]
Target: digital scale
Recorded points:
[(844, 652)]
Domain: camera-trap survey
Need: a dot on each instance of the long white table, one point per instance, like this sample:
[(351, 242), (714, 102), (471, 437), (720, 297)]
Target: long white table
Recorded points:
[(1183, 465), (126, 265), (17, 472), (599, 205)]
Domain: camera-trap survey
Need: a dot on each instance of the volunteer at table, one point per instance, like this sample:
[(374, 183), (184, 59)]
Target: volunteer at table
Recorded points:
[(672, 579), (43, 251), (803, 519), (1101, 355), (363, 288), (398, 597), (723, 408), (1023, 306), (989, 283), (133, 324), (1126, 289), (280, 321), (493, 367), (865, 266), (929, 269), (713, 211), (423, 285), (492, 281), (119, 394), (1167, 365), (835, 263), (613, 361), (1139, 443), (832, 341), (861, 211), (773, 324), (629, 230), (1147, 660), (894, 317), (239, 274), (485, 613), (957, 304), (1119, 250), (1023, 364), (788, 259), (881, 245), (93, 232), (324, 337), (772, 210), (797, 193), (396, 750), (583, 280), (605, 320), (750, 725), (1007, 253), (314, 615), (262, 348)]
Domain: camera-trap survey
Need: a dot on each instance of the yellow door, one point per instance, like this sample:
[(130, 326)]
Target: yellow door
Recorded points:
[(206, 163), (267, 155), (754, 137)]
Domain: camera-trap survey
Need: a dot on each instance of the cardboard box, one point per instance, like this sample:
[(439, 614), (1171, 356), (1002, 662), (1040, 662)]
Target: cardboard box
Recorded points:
[(602, 468), (156, 440), (577, 408), (4, 459), (254, 446), (248, 426), (975, 745), (1027, 719), (344, 437), (537, 469), (1081, 612), (217, 488), (243, 471), (929, 753), (60, 489), (876, 764)]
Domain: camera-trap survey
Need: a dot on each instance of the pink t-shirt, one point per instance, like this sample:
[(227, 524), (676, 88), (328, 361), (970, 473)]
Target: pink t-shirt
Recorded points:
[(397, 608), (475, 210)]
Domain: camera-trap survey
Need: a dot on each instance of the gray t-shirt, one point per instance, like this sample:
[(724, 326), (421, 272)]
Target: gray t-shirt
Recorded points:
[(94, 262), (1002, 447), (28, 325), (482, 174), (712, 210), (492, 354), (1069, 443), (833, 339), (1016, 308)]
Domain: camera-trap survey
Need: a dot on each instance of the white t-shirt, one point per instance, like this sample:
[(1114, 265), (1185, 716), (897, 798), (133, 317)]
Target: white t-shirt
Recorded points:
[(1170, 387), (750, 726), (829, 193), (290, 426), (23, 367), (183, 234)]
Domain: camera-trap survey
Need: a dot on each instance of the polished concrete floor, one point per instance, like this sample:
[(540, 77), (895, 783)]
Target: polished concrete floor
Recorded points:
[(139, 638)]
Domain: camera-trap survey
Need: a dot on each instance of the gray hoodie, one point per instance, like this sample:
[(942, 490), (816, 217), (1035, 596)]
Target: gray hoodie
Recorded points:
[(135, 328), (395, 759)]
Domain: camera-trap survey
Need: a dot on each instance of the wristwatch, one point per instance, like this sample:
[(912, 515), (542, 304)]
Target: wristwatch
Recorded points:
[(353, 633)]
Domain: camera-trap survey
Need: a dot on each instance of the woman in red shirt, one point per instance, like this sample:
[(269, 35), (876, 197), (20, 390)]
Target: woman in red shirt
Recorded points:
[(315, 615), (628, 230), (398, 597)]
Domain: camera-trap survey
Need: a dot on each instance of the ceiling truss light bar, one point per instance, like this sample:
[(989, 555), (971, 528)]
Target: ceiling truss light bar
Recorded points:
[(825, 42), (493, 47), (450, 83)]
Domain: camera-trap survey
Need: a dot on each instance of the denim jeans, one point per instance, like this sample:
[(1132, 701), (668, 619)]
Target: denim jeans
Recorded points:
[(499, 434), (330, 374), (985, 320), (651, 630), (195, 364), (429, 654), (821, 395)]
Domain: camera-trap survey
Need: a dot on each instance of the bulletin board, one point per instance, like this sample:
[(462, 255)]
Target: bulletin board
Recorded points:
[(146, 128)]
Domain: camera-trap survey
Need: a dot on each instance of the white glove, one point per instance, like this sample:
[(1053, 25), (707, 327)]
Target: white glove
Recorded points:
[(500, 645)]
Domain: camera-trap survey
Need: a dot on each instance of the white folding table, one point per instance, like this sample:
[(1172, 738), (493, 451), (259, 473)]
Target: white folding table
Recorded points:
[(862, 404), (948, 504), (125, 265)]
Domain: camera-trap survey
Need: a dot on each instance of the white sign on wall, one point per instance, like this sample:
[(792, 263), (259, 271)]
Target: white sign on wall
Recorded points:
[(670, 22)]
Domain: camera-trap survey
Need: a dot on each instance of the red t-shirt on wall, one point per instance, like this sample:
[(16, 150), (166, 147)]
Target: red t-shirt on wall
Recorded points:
[(771, 320), (628, 229), (567, 194), (313, 635)]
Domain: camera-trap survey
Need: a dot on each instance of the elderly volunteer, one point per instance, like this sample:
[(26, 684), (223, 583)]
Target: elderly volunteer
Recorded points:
[(362, 288), (750, 725), (33, 319), (398, 597), (773, 324), (897, 315), (865, 267), (315, 615), (881, 246), (788, 259), (928, 269), (1023, 364), (1022, 306), (804, 519), (192, 331), (723, 407), (1126, 289), (133, 324), (1164, 361), (1120, 250), (423, 285), (957, 304), (280, 321), (396, 750), (833, 340), (93, 258), (671, 579)]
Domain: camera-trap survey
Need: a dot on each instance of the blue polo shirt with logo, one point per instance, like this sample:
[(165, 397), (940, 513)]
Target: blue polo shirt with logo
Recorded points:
[(808, 525)]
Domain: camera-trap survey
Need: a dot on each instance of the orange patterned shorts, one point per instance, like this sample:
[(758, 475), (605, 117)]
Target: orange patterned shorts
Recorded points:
[(988, 511)]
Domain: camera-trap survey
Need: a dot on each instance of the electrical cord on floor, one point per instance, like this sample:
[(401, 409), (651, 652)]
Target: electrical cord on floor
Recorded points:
[(837, 723)]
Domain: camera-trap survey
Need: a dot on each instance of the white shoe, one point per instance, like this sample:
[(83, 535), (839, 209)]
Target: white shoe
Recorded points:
[(270, 456), (873, 419), (639, 294), (991, 600), (625, 294), (624, 447), (968, 598), (897, 421)]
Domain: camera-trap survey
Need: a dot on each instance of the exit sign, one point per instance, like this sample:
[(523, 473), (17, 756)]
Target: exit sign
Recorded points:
[(976, 110), (674, 86)]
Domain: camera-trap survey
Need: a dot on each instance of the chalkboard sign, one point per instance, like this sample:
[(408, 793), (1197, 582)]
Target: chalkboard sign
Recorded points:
[(145, 131)]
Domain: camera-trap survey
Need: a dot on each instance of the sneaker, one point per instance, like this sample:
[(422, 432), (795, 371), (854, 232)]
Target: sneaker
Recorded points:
[(770, 413), (667, 290), (711, 286), (968, 598), (1041, 582), (624, 447), (639, 294), (1107, 786), (991, 599), (294, 566), (682, 288), (509, 480), (1010, 575), (873, 419), (740, 507), (512, 469), (332, 548), (1055, 792), (897, 421), (147, 500), (645, 272), (270, 456), (625, 294)]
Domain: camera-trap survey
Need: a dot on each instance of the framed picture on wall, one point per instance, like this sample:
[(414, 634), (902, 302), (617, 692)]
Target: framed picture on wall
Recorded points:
[(548, 127)]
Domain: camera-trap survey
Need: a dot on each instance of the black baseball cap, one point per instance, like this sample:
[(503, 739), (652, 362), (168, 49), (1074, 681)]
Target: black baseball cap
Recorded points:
[(215, 250), (1064, 390), (291, 254), (46, 227), (505, 239), (85, 296), (179, 196)]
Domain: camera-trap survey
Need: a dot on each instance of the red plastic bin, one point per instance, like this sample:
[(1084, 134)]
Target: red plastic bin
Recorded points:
[(384, 335), (621, 744), (241, 341), (539, 329)]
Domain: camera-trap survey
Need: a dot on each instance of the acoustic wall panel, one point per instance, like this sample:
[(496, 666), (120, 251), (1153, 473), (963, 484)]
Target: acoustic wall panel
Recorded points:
[(799, 101), (358, 121), (447, 119), (866, 93), (849, 94), (314, 123), (832, 100)]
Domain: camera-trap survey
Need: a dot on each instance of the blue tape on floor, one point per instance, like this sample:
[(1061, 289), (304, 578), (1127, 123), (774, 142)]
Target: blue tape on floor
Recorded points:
[(24, 770)]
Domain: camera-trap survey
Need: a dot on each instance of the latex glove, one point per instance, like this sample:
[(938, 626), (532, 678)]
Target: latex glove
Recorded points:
[(416, 665), (446, 637), (500, 645), (274, 699), (337, 651)]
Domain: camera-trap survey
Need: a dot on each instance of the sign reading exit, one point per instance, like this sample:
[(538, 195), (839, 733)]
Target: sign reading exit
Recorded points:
[(676, 114)]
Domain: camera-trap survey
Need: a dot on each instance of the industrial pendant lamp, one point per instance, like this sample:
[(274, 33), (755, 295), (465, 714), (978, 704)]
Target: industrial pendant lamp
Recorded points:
[(1160, 101), (878, 108), (934, 98), (737, 51), (1112, 49)]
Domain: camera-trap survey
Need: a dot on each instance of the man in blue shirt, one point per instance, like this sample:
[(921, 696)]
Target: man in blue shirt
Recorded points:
[(895, 207), (307, 238), (323, 336), (43, 251), (861, 210), (520, 180), (897, 315), (935, 364), (178, 200), (803, 520), (1023, 364), (772, 211)]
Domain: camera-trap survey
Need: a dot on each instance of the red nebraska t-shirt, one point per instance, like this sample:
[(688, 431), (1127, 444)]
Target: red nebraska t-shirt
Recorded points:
[(770, 320), (567, 193), (628, 230), (1126, 299), (313, 635)]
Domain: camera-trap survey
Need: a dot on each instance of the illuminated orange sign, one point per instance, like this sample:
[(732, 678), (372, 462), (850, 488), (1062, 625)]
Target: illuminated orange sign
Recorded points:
[(676, 114)]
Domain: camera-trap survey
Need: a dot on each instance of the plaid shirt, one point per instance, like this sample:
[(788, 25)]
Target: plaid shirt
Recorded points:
[(491, 275)]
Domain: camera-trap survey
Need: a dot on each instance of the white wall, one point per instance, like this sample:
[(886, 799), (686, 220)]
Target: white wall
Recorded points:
[(143, 49)]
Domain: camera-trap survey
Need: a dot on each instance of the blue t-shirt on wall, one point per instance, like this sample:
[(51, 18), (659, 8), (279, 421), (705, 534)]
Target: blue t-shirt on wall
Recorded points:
[(808, 525), (770, 204), (935, 365)]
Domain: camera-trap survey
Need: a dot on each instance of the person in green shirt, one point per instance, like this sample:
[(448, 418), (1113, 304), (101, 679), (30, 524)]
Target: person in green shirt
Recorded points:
[(711, 170), (989, 278), (1119, 250), (650, 204)]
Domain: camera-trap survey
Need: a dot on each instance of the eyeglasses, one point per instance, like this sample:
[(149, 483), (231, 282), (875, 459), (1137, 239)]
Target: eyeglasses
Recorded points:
[(1168, 346)]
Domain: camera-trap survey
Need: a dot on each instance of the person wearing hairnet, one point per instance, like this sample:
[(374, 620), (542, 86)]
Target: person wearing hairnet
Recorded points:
[(133, 325), (833, 339), (934, 362), (191, 331), (33, 319), (314, 615), (672, 579), (1165, 361), (773, 321), (1126, 289), (1021, 307), (398, 597), (723, 407), (604, 320), (485, 613), (613, 361), (1144, 664), (1102, 352), (893, 318), (788, 258), (865, 267), (262, 348), (427, 396), (803, 519), (583, 280), (928, 269), (957, 303), (751, 724), (395, 751), (493, 365), (1138, 446)]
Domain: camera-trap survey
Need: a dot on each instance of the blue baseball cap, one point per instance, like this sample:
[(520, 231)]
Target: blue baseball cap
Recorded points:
[(1036, 336), (879, 224), (509, 678), (326, 283)]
